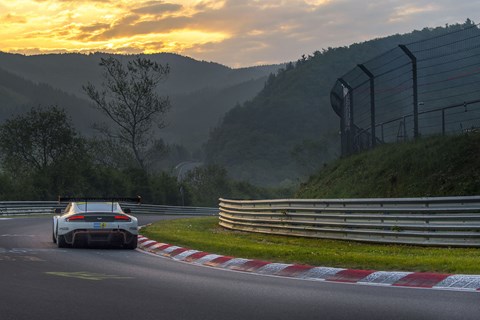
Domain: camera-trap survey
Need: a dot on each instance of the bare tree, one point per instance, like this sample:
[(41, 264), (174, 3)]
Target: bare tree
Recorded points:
[(128, 96)]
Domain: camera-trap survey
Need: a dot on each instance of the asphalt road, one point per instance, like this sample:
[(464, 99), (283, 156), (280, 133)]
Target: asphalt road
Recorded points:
[(40, 281)]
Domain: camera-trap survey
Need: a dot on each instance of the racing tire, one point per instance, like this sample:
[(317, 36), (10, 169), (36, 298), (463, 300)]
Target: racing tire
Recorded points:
[(132, 245), (54, 238), (61, 243)]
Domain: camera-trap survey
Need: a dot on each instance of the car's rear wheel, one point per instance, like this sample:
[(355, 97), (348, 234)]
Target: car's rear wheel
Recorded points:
[(54, 238), (132, 244), (61, 243)]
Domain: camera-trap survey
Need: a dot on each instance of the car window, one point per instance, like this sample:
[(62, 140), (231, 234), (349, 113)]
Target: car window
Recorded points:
[(95, 206)]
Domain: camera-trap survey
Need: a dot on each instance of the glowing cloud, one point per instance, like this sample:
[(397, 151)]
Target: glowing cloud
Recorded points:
[(233, 32)]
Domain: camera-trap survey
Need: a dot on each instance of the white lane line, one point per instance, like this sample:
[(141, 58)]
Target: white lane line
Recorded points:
[(17, 235), (6, 218)]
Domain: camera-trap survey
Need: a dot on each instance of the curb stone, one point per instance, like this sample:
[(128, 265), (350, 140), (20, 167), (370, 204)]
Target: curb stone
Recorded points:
[(431, 280)]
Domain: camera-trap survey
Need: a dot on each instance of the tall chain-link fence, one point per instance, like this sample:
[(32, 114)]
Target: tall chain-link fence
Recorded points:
[(422, 88)]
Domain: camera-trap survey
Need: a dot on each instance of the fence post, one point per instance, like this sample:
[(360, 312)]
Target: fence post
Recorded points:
[(372, 102), (349, 116), (341, 113), (415, 88)]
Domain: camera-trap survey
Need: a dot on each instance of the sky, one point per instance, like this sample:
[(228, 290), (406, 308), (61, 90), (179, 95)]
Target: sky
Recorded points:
[(236, 33)]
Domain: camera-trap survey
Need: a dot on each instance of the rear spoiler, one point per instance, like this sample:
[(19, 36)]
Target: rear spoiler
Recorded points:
[(137, 200)]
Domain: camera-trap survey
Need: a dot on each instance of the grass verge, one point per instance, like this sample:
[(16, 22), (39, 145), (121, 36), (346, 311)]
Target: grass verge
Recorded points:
[(432, 166), (205, 234)]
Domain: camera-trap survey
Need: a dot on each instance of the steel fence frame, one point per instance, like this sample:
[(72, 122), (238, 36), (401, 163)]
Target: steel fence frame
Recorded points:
[(422, 88)]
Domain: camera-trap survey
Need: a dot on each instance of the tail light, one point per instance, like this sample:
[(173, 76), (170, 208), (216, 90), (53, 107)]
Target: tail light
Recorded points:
[(76, 218), (122, 218)]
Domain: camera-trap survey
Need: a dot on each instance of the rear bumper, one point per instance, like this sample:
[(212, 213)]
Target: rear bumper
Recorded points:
[(100, 237)]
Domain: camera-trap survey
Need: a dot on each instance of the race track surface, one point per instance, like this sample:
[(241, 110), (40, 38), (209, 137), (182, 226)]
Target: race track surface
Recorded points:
[(40, 281)]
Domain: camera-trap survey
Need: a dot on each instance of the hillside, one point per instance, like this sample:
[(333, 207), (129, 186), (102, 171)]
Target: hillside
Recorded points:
[(435, 166), (289, 129), (197, 89), (18, 95)]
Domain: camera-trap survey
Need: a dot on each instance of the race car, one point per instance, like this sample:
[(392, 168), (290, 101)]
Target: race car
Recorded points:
[(93, 221)]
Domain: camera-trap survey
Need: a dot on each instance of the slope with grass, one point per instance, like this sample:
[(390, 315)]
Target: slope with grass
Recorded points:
[(435, 166)]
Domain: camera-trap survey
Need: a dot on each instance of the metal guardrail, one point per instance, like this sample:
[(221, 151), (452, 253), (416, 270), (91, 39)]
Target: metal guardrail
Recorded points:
[(442, 221), (9, 208), (170, 210)]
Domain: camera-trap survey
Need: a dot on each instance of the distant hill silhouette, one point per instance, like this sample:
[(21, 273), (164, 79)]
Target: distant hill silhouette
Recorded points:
[(18, 95), (198, 90)]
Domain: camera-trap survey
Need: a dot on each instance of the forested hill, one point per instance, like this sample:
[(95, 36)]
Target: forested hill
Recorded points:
[(69, 72), (289, 129), (196, 88), (18, 95)]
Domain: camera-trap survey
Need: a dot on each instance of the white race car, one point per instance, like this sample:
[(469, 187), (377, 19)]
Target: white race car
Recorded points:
[(95, 223)]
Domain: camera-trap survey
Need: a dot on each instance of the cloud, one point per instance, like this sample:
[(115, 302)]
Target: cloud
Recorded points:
[(233, 32), (266, 33), (157, 7), (94, 27), (12, 18), (73, 1)]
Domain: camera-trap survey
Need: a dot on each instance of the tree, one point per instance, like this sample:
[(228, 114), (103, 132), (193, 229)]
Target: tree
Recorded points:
[(38, 139), (207, 184), (129, 97), (42, 155)]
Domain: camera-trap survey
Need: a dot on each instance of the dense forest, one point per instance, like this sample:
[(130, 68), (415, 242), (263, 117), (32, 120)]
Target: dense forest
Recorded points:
[(43, 156), (290, 129)]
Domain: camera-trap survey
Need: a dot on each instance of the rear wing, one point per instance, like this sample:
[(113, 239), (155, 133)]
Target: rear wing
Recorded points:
[(137, 199)]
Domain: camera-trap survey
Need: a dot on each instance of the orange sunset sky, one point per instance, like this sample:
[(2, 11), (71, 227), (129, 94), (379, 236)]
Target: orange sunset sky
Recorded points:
[(235, 33)]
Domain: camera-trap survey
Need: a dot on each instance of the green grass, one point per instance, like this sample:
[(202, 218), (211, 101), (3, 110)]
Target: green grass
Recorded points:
[(434, 166), (205, 234)]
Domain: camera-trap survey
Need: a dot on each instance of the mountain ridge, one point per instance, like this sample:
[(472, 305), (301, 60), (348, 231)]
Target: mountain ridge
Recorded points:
[(189, 80)]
